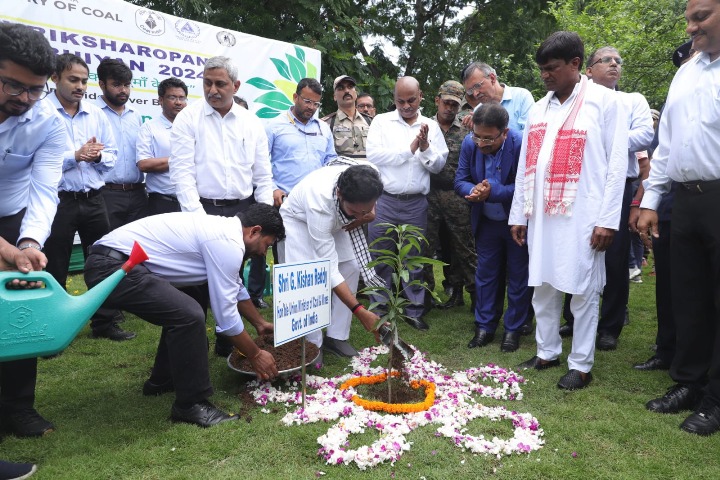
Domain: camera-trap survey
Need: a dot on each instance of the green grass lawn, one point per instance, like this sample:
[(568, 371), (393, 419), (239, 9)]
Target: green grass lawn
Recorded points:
[(106, 429)]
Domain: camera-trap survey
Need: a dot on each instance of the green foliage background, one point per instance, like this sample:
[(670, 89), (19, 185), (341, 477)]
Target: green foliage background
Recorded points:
[(435, 39)]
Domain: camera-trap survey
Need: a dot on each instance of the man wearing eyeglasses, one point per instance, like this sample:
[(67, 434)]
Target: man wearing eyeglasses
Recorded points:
[(153, 147), (32, 143), (348, 125), (486, 178), (566, 205), (482, 85), (406, 147), (366, 104), (605, 68), (299, 143), (449, 215), (81, 206), (219, 162)]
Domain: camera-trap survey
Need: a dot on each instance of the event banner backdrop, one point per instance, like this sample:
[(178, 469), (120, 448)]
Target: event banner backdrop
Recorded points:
[(156, 46)]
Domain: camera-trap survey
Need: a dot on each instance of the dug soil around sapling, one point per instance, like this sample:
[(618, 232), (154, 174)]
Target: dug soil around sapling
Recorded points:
[(287, 356), (401, 392)]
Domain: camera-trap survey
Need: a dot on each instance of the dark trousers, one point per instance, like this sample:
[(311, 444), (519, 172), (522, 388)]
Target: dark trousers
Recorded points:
[(494, 244), (395, 211), (158, 203), (88, 217), (665, 339), (617, 287), (124, 206), (695, 263), (17, 378), (182, 353)]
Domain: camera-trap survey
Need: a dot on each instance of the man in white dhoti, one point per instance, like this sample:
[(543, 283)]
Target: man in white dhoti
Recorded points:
[(567, 201), (322, 216)]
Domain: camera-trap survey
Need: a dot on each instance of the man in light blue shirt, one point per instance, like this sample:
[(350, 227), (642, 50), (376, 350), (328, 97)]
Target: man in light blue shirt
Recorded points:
[(153, 147), (124, 190), (81, 207), (299, 142), (32, 139)]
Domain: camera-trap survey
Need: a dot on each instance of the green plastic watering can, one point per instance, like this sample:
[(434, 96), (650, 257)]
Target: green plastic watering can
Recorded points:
[(38, 322)]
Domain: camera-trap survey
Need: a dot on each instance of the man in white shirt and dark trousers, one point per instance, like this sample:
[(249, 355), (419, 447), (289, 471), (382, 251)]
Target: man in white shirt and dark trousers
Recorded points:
[(33, 138), (219, 153), (689, 154), (187, 249), (406, 147), (153, 147)]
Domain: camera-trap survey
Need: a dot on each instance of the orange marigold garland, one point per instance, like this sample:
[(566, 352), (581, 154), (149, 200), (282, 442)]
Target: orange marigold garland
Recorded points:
[(391, 407)]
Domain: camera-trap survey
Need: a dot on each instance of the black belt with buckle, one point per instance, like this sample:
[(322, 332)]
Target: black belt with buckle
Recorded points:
[(701, 186), (124, 186), (222, 202), (108, 252), (162, 196), (77, 195), (404, 196)]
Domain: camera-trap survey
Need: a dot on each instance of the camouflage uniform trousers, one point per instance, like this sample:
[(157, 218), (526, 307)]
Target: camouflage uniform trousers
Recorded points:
[(449, 215)]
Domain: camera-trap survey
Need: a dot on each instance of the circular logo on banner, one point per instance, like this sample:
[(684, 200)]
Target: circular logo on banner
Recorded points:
[(187, 29), (150, 22), (225, 38)]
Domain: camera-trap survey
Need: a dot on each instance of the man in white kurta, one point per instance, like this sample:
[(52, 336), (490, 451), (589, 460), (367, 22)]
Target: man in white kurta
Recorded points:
[(566, 244), (315, 229)]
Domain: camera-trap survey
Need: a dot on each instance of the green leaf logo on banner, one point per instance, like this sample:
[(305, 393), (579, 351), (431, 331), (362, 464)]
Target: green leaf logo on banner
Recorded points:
[(261, 83), (274, 100), (300, 54), (267, 113), (282, 68), (279, 91), (297, 68)]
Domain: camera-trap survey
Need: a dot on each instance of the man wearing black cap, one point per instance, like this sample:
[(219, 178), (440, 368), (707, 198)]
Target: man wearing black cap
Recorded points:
[(349, 126), (689, 154)]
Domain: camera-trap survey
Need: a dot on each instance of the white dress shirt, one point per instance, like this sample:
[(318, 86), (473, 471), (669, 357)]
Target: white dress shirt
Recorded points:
[(388, 147), (219, 157), (153, 141), (191, 249), (689, 148)]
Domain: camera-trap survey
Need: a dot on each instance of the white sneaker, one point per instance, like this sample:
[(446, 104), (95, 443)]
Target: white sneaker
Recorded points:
[(636, 279), (634, 272)]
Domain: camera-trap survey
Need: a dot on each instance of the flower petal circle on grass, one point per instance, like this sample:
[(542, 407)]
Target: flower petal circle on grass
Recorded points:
[(455, 405), (391, 407)]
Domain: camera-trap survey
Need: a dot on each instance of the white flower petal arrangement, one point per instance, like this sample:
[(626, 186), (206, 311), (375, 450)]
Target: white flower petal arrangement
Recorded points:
[(456, 404)]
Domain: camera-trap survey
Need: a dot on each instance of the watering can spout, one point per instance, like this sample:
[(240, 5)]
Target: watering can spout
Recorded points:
[(43, 321)]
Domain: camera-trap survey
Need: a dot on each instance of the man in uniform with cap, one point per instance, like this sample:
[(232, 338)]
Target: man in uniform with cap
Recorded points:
[(448, 214), (349, 126)]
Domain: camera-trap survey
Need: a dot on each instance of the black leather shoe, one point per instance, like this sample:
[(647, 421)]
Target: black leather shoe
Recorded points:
[(417, 323), (653, 363), (526, 329), (705, 420), (260, 303), (539, 364), (678, 397), (573, 380), (203, 414), (151, 389), (510, 342), (113, 332), (223, 345), (25, 423), (481, 338), (341, 348), (606, 342), (455, 300), (566, 330)]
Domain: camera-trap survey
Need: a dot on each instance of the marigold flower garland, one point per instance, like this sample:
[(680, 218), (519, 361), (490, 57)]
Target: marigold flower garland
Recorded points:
[(391, 407), (455, 404)]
